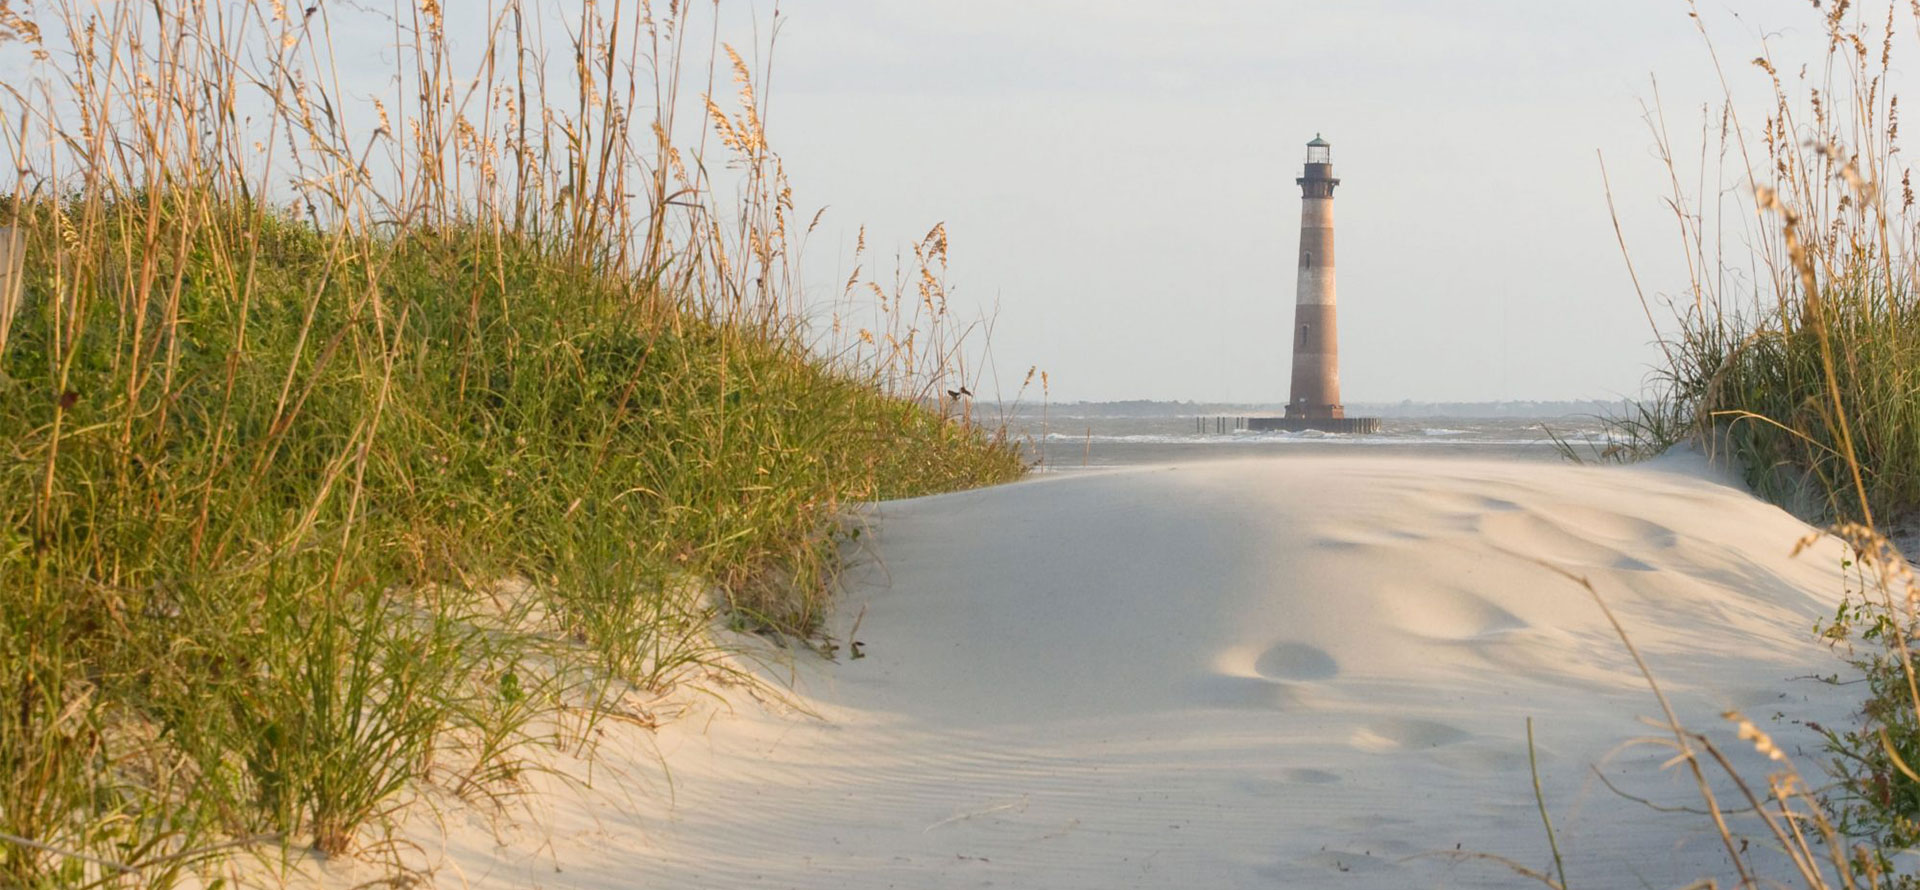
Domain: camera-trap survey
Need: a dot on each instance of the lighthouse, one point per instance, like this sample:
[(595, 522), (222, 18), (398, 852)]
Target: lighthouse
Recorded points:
[(1313, 400), (1315, 394)]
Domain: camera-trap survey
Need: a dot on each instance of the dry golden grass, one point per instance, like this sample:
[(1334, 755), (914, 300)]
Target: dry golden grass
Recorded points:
[(296, 381), (1807, 372)]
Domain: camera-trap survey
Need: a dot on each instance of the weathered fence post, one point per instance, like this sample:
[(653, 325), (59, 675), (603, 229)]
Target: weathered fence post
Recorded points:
[(13, 255)]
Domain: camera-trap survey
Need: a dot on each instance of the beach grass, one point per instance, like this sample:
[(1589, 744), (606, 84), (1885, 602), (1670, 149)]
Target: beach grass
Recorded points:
[(1796, 354), (340, 462)]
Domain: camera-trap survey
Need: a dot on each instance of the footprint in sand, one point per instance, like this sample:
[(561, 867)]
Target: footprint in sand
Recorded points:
[(1233, 691), (1296, 662), (1407, 734), (1284, 782), (1534, 536), (1359, 536), (1278, 679), (1465, 502), (1449, 614), (1631, 532), (1306, 776)]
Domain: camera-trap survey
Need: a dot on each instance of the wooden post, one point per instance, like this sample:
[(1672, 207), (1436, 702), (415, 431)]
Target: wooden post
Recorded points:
[(13, 255)]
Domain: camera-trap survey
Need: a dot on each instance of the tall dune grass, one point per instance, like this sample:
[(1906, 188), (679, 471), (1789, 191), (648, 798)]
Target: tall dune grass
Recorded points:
[(1798, 354), (334, 453)]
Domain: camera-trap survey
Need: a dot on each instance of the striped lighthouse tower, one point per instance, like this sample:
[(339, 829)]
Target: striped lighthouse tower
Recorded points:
[(1315, 393), (1314, 401)]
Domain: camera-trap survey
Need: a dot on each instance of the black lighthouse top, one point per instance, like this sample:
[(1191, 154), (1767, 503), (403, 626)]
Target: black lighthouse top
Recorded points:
[(1318, 181)]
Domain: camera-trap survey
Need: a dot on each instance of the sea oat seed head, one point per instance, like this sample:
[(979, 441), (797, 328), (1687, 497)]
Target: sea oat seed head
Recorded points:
[(1762, 742)]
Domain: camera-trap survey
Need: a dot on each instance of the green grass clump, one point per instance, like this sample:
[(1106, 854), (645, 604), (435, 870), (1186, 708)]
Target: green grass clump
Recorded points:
[(1768, 391), (305, 510), (251, 551)]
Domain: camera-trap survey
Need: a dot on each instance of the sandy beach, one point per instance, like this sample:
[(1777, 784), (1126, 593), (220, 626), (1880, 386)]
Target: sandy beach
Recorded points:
[(1275, 672)]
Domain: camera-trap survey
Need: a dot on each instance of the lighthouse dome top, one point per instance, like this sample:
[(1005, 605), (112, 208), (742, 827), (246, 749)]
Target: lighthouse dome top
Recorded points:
[(1317, 151)]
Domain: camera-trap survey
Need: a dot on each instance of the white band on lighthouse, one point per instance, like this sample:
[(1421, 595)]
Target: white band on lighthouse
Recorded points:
[(1314, 285)]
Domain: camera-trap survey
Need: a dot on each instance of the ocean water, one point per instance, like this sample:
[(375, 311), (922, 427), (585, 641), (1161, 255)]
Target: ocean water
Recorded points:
[(1076, 437)]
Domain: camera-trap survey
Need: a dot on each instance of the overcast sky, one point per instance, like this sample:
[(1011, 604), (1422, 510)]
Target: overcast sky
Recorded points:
[(1117, 177)]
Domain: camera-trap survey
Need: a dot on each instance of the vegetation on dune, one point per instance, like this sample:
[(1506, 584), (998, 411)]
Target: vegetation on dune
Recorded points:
[(330, 478), (1799, 356)]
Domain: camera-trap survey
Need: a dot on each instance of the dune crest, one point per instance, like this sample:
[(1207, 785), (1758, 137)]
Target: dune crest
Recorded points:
[(1281, 672)]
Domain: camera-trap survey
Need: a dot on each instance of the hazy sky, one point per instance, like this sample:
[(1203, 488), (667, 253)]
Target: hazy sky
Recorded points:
[(1117, 177)]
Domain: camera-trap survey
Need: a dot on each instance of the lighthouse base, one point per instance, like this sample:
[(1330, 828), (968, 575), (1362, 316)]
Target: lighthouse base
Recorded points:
[(1353, 425)]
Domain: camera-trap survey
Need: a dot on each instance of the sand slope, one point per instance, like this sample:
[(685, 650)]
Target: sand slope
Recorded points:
[(1274, 672)]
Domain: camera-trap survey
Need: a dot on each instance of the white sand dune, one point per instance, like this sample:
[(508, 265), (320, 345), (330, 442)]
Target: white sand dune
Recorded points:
[(1274, 672)]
